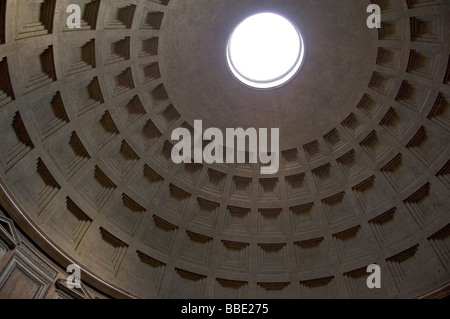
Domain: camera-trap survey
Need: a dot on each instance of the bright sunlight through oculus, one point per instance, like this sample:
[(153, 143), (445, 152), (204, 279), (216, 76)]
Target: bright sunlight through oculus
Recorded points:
[(265, 51)]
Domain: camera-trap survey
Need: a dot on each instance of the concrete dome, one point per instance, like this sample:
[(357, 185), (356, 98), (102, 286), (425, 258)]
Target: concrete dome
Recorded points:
[(86, 117)]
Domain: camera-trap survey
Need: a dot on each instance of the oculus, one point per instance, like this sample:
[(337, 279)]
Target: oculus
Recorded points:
[(265, 51)]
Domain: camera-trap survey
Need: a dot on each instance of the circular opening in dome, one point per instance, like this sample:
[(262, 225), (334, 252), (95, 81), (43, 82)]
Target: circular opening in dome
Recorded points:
[(265, 51)]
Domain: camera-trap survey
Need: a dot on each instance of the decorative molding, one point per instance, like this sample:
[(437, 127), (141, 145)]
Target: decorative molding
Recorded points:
[(21, 263), (79, 293), (8, 232), (36, 261)]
